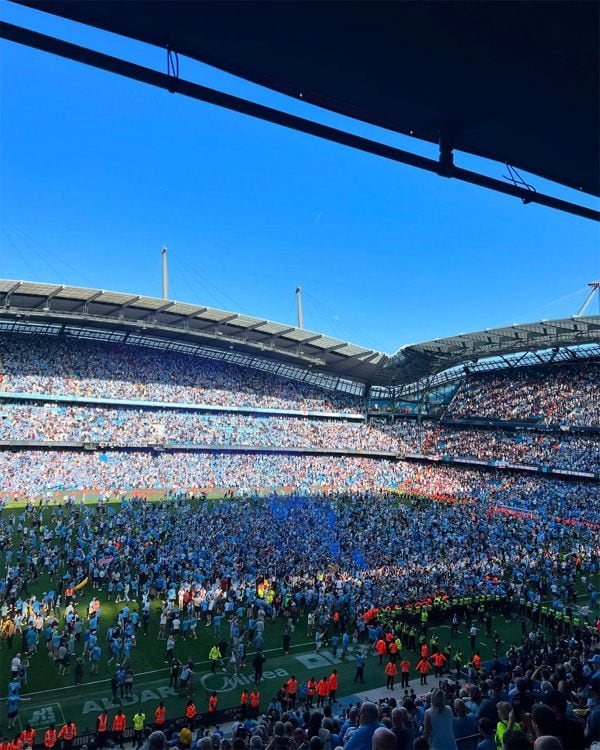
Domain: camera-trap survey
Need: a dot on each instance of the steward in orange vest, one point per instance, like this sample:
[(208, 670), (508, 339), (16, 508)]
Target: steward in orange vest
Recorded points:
[(244, 703), (160, 715), (190, 711), (311, 689), (119, 722), (50, 737), (67, 734), (118, 727), (102, 722), (423, 667), (390, 671), (381, 648), (101, 728), (213, 702), (322, 691), (292, 690), (439, 660), (28, 735), (332, 684), (254, 703)]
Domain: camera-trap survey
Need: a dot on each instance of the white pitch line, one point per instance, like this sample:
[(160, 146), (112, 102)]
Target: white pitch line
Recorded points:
[(143, 674)]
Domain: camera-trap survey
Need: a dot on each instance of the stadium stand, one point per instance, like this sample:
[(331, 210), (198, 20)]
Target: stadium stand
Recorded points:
[(547, 395), (368, 548), (41, 365), (575, 452), (136, 427)]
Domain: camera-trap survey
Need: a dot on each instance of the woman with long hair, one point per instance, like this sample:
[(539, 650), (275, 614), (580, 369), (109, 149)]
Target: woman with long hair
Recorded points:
[(438, 723)]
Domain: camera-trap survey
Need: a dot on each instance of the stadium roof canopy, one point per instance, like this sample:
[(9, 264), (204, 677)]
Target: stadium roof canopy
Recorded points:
[(514, 82), (141, 319), (418, 361), (181, 321)]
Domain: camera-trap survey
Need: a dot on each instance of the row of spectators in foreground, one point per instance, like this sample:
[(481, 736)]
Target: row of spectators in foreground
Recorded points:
[(37, 364), (142, 427), (558, 394)]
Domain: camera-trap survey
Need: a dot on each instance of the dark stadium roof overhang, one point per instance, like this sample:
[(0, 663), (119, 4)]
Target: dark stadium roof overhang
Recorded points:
[(168, 321), (514, 82), (417, 362)]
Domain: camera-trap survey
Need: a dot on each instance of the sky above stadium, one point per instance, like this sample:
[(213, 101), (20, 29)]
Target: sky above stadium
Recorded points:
[(98, 172)]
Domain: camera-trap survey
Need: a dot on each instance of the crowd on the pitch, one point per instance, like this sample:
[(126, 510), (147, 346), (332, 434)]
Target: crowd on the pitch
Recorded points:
[(420, 549), (452, 482), (548, 395), (27, 472), (366, 553)]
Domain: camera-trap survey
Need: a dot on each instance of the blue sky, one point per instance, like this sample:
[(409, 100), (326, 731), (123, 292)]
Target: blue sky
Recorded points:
[(98, 172)]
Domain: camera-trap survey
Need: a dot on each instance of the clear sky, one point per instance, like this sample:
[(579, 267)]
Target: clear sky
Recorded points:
[(98, 172)]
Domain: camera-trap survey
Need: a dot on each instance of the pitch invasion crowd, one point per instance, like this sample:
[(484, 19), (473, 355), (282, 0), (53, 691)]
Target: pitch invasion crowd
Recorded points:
[(552, 497), (453, 482), (551, 395), (373, 553), (34, 472), (420, 549)]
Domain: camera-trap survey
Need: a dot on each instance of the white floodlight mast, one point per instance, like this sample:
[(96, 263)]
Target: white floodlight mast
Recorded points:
[(299, 306), (165, 274)]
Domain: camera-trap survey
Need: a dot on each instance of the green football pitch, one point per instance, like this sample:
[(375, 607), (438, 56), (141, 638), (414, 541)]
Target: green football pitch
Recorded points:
[(53, 698)]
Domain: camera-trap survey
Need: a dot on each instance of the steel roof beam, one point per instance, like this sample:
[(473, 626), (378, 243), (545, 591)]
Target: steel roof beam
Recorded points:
[(443, 167), (46, 301), (7, 294), (89, 299), (153, 313)]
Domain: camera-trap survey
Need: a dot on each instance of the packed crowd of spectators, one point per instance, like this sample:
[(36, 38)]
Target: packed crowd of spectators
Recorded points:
[(366, 553), (365, 550), (453, 482), (30, 472), (552, 497), (559, 394), (562, 451), (546, 697), (542, 496), (137, 427), (32, 364)]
